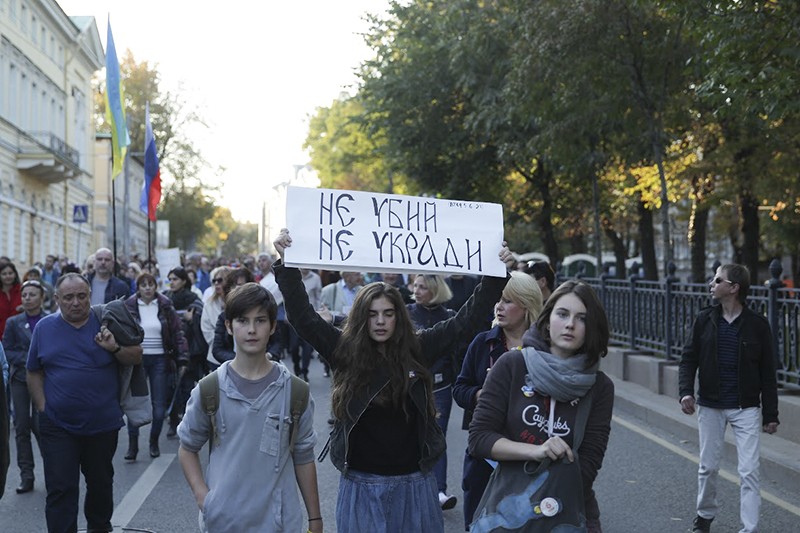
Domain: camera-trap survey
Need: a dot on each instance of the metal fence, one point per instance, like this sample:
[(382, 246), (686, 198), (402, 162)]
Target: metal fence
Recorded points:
[(657, 316)]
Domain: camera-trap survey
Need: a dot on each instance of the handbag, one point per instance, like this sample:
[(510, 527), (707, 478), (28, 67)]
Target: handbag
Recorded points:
[(536, 497), (134, 394)]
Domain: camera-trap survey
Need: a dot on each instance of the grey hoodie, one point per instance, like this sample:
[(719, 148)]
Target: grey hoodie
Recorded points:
[(250, 475)]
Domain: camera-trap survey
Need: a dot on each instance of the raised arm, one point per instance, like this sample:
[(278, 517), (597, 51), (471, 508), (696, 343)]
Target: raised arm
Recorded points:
[(304, 319)]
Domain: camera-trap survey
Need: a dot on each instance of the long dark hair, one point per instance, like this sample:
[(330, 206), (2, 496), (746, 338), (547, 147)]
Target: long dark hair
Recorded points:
[(360, 357), (595, 344)]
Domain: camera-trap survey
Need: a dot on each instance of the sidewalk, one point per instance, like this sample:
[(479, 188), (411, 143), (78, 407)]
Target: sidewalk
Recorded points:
[(780, 453)]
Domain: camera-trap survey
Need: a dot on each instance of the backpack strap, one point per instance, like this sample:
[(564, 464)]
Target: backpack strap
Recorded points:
[(299, 403), (209, 401)]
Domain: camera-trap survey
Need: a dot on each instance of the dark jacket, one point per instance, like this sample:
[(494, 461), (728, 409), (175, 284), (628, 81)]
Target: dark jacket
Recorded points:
[(171, 329), (757, 379), (5, 447), (483, 352), (436, 341), (443, 369), (222, 349), (16, 341), (115, 289)]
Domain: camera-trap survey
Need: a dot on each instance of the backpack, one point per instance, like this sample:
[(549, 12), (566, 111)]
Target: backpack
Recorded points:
[(209, 401), (198, 347)]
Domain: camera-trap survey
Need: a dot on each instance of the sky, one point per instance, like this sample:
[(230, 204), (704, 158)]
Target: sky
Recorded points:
[(256, 70)]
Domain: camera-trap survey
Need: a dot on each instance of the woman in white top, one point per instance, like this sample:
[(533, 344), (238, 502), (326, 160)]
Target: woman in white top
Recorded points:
[(163, 348), (212, 307)]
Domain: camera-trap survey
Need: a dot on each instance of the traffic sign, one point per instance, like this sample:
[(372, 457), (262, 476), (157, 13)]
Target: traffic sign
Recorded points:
[(80, 213)]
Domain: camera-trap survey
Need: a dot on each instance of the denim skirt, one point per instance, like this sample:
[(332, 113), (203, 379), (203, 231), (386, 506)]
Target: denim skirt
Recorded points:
[(388, 504)]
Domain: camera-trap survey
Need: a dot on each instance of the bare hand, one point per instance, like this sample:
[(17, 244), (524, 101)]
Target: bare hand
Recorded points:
[(282, 241), (687, 405), (771, 428), (200, 497), (325, 314), (188, 315), (506, 256), (554, 448), (105, 339)]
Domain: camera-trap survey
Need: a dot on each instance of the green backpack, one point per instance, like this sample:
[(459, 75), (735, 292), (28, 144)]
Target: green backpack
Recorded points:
[(209, 400)]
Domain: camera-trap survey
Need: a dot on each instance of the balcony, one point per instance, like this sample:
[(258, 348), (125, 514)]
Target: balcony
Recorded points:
[(47, 157)]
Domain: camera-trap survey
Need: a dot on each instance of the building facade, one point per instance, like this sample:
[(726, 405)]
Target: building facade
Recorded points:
[(47, 60)]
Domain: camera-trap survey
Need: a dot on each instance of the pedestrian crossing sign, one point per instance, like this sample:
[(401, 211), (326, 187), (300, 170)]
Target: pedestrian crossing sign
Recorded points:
[(80, 213)]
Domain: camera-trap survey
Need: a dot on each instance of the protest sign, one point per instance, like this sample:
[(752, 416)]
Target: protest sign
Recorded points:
[(373, 232)]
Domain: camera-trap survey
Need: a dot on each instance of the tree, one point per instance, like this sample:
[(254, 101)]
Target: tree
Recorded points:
[(186, 202)]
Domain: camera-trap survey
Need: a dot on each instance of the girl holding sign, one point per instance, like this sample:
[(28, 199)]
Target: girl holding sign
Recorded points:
[(385, 440)]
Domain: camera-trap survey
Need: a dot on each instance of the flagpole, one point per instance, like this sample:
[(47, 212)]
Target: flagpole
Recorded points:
[(114, 214), (149, 247)]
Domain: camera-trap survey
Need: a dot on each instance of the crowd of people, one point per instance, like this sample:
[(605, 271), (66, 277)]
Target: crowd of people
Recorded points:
[(519, 355)]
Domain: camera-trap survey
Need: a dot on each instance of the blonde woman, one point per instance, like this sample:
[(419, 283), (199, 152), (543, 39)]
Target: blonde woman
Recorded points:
[(518, 308), (212, 308)]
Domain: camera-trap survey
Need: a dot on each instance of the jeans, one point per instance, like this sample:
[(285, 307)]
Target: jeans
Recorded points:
[(155, 366), (443, 401), (26, 422), (301, 352), (388, 504), (476, 476), (746, 425), (65, 456)]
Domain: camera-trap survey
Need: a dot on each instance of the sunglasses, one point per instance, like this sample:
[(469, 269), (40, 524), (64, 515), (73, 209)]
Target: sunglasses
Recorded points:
[(217, 280), (719, 280)]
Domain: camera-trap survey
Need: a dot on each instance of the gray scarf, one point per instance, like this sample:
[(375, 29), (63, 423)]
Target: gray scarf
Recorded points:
[(564, 380)]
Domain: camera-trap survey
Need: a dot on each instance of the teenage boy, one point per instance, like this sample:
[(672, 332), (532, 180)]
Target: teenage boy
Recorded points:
[(252, 469)]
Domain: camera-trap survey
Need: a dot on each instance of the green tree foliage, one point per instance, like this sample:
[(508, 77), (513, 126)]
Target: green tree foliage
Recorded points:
[(186, 200), (346, 155), (685, 106), (225, 237)]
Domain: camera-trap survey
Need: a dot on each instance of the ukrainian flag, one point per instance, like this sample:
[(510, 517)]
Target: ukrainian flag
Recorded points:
[(115, 107)]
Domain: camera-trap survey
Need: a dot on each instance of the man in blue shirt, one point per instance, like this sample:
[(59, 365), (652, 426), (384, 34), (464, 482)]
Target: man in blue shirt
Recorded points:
[(731, 350), (73, 379)]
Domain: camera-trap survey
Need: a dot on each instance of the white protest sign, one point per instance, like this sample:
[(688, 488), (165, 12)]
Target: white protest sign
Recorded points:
[(373, 232), (167, 259)]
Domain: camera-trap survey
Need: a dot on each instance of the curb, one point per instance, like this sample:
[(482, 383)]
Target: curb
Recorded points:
[(780, 460)]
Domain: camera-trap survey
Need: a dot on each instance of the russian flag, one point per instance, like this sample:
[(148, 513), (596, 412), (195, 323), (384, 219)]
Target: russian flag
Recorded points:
[(151, 188)]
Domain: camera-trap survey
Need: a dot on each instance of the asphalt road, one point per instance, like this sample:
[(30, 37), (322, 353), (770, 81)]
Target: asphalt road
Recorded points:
[(647, 484)]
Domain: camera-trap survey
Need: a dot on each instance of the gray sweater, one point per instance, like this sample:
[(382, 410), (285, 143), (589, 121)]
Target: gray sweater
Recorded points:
[(250, 475)]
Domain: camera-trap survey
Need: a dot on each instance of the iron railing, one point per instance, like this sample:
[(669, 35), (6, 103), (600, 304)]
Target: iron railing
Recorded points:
[(657, 316)]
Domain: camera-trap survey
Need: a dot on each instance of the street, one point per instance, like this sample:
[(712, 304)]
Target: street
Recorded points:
[(647, 484)]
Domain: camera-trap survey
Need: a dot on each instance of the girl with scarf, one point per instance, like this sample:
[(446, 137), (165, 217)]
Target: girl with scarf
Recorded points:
[(528, 405)]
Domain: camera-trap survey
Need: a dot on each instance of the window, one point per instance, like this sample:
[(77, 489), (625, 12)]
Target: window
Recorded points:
[(34, 30), (23, 18), (12, 93)]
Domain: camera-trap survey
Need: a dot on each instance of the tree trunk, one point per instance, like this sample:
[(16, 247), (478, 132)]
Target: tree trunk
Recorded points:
[(541, 181), (620, 251), (750, 228), (648, 242), (698, 227)]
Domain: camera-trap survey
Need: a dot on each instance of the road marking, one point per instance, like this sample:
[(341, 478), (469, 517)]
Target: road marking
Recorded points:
[(133, 500), (733, 478)]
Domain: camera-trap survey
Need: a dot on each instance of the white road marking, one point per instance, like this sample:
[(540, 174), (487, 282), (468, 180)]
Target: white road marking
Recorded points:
[(733, 478), (138, 493)]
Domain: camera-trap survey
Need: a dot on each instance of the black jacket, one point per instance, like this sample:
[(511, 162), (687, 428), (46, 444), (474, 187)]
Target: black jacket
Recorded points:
[(437, 341), (757, 380)]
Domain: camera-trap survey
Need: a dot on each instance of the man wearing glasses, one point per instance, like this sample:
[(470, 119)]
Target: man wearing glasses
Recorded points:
[(731, 349)]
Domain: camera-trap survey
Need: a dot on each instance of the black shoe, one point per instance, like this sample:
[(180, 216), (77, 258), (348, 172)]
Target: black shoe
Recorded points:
[(305, 376), (154, 451), (702, 525), (26, 485), (133, 449), (331, 421), (172, 432)]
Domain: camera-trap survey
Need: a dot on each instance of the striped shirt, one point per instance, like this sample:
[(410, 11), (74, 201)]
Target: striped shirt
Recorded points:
[(728, 361)]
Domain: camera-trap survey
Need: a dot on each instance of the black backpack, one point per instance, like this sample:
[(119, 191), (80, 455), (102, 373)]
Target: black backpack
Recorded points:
[(198, 347)]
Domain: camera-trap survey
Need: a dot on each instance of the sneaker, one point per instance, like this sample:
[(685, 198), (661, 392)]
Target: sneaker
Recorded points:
[(702, 525), (447, 502)]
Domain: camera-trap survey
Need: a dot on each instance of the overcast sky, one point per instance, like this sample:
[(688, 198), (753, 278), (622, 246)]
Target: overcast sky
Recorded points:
[(255, 71)]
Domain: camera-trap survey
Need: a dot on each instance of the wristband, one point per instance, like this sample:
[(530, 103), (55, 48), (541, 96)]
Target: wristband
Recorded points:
[(117, 349), (317, 518)]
